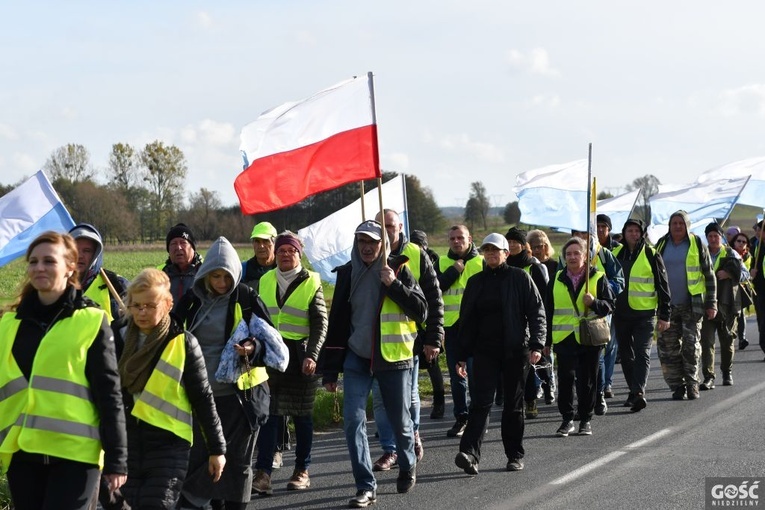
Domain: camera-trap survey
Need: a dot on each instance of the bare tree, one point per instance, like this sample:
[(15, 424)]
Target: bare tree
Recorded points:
[(123, 168), (203, 213), (648, 186), (478, 203), (70, 163), (164, 171)]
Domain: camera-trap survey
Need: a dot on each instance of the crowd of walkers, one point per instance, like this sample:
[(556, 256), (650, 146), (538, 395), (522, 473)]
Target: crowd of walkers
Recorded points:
[(175, 390)]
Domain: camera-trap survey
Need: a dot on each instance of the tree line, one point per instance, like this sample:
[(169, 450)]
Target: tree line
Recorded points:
[(141, 193)]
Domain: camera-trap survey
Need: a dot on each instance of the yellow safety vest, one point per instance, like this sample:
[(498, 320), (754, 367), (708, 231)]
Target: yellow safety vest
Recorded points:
[(291, 319), (397, 332), (641, 288), (53, 413), (453, 295), (696, 284), (163, 401), (413, 252), (100, 295), (565, 320)]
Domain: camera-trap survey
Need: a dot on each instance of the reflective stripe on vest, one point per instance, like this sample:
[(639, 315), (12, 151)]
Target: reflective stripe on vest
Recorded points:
[(163, 401), (100, 295), (453, 295), (256, 375), (565, 320), (696, 284), (292, 318), (641, 287), (52, 413), (397, 332)]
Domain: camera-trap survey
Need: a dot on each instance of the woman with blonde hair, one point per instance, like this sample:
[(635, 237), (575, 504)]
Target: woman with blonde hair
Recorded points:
[(164, 384), (61, 413), (543, 250)]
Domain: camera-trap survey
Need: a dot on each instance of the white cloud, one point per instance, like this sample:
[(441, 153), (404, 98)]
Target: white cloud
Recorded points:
[(304, 38), (25, 162), (204, 20), (742, 100), (8, 132), (536, 61), (464, 144), (68, 113), (550, 101), (395, 161)]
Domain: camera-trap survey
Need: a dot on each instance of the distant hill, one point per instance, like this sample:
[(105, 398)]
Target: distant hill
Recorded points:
[(454, 212)]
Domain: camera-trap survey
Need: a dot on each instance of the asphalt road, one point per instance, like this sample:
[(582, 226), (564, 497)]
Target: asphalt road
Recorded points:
[(657, 458)]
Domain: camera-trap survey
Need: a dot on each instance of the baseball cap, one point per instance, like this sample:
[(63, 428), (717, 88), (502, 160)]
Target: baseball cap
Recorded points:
[(370, 228), (263, 230), (497, 240)]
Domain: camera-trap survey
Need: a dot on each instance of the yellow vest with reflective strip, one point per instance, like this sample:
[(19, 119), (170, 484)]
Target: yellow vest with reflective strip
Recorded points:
[(163, 401), (453, 295), (397, 332), (565, 320), (291, 319), (413, 252), (53, 413), (256, 375), (100, 295), (696, 284), (641, 287)]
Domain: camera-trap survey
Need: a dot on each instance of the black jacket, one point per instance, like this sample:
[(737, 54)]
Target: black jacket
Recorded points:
[(627, 259), (405, 292), (197, 387), (523, 321), (100, 370)]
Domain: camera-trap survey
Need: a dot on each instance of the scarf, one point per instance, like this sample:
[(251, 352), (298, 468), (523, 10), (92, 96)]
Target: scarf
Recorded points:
[(576, 278), (285, 278), (136, 365), (520, 260)]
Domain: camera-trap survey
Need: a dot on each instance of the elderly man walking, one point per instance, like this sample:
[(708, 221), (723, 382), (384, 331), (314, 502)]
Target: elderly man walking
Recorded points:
[(693, 288), (372, 327)]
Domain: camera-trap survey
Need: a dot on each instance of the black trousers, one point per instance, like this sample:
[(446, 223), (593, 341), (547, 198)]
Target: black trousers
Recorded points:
[(486, 370), (580, 363), (60, 485)]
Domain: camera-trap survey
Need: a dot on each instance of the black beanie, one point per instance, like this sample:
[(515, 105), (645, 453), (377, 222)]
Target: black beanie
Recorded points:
[(420, 238), (634, 221), (180, 230), (516, 234), (603, 218), (713, 227)]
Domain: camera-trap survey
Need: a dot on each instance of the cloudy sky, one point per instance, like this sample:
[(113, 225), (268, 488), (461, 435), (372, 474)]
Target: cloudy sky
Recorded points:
[(467, 90)]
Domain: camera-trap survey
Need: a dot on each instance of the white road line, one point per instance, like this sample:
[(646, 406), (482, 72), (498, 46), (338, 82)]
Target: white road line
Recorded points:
[(608, 458)]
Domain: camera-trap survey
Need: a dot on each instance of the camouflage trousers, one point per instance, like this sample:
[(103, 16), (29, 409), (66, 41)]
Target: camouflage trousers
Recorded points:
[(725, 325), (679, 347)]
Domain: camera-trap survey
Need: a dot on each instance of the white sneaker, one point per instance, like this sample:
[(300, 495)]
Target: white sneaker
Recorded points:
[(278, 461)]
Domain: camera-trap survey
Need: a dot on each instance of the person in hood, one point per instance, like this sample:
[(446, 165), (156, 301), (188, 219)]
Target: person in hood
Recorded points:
[(372, 326), (645, 299), (693, 291), (183, 261), (90, 259), (211, 311)]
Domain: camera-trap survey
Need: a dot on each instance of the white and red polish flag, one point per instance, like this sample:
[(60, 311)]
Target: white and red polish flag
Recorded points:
[(301, 148)]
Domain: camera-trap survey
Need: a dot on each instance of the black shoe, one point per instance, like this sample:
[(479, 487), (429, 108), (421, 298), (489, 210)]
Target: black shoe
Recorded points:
[(458, 428), (466, 462), (585, 428), (743, 344), (639, 403), (406, 481), (630, 400), (514, 465), (600, 405), (727, 379), (531, 410), (708, 384), (693, 391), (566, 428), (363, 498), (679, 393), (548, 391), (438, 412)]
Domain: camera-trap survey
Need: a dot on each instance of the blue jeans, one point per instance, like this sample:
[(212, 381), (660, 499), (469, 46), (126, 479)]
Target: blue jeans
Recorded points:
[(607, 360), (396, 392), (384, 430), (458, 384), (269, 434)]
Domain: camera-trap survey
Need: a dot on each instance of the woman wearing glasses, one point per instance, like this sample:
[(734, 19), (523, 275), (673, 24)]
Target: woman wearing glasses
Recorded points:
[(502, 326), (295, 301), (164, 382), (61, 403)]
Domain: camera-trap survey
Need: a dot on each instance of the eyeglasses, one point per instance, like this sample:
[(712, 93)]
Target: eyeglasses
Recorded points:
[(741, 241), (140, 308), (538, 246), (286, 251)]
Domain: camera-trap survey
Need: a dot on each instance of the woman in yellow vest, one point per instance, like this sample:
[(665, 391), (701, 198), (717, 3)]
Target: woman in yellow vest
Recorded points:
[(211, 310), (164, 382), (61, 414), (295, 301), (577, 286)]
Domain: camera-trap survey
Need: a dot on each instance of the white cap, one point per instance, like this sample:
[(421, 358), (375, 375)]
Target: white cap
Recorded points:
[(497, 240)]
